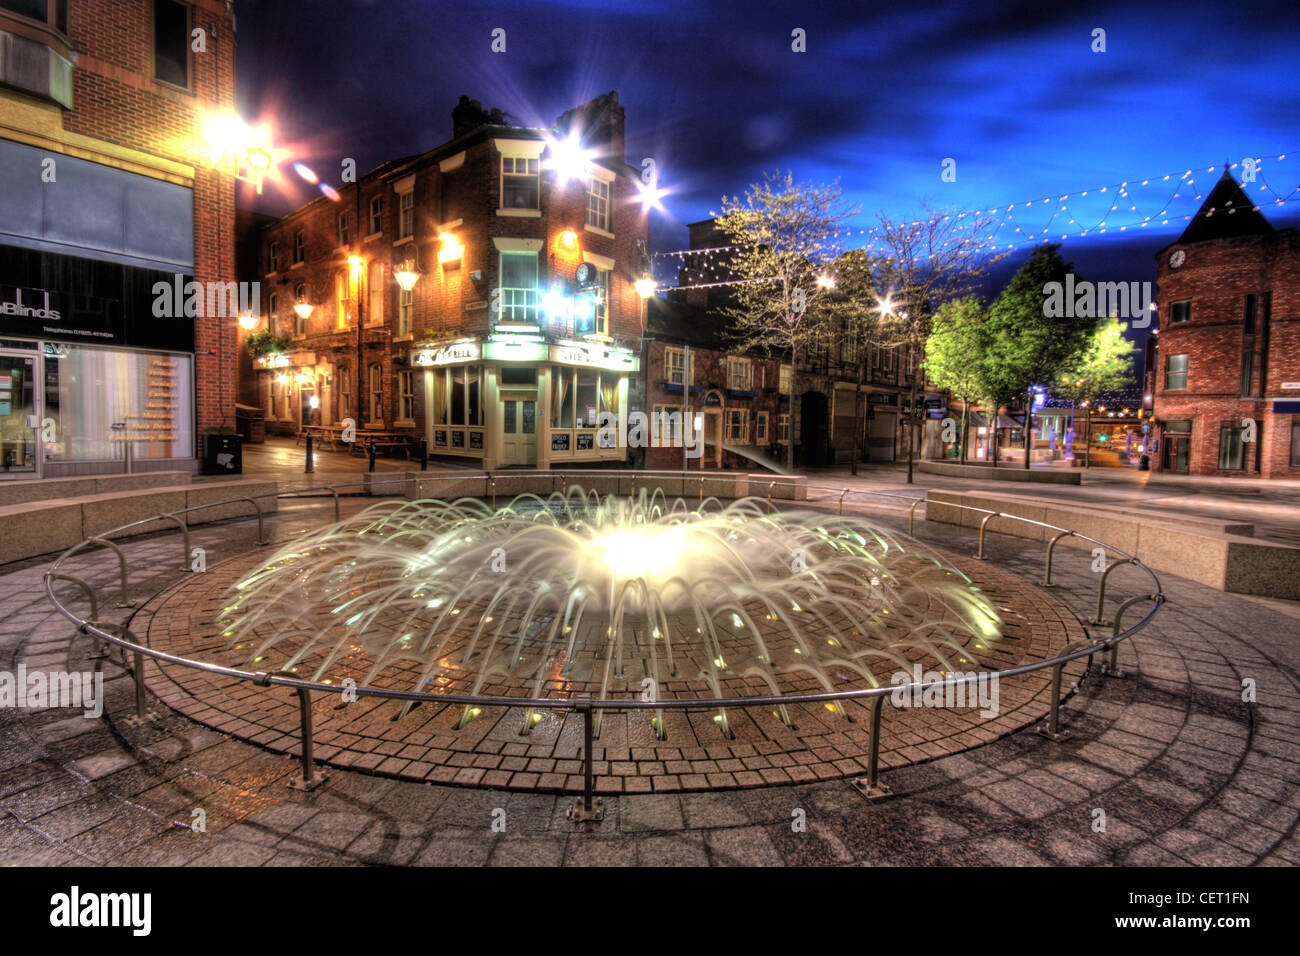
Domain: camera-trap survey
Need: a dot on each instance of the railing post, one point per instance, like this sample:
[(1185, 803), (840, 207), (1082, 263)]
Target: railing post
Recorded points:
[(493, 483), (845, 492), (702, 491), (1098, 619), (911, 514), (592, 808), (424, 454), (371, 449), (870, 785), (261, 527), (1047, 567), (1111, 668), (141, 707), (983, 526), (1052, 728), (311, 777), (769, 496), (309, 468)]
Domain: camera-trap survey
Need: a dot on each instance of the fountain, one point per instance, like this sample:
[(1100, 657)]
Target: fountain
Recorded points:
[(618, 597)]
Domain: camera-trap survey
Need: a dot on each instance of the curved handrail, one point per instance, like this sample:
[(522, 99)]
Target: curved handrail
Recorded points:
[(586, 705)]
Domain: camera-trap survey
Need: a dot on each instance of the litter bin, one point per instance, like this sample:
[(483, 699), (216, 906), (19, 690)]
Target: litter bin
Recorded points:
[(223, 454), (1145, 463)]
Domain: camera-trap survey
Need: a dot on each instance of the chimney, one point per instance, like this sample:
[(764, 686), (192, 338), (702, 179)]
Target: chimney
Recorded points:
[(468, 115), (599, 122)]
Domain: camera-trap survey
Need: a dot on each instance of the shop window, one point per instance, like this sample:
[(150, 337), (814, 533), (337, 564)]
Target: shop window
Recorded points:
[(1176, 371), (87, 390), (598, 204), (1231, 456), (519, 182), (406, 214), (171, 42), (738, 426), (457, 395), (376, 215), (376, 379), (760, 428), (519, 297), (406, 393)]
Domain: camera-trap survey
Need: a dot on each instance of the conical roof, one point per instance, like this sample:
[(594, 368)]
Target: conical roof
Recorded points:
[(1226, 214)]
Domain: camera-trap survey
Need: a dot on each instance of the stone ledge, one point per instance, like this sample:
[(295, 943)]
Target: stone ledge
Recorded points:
[(955, 469)]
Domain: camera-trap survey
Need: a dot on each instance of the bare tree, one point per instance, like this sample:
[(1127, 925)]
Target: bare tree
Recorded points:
[(784, 233), (924, 264)]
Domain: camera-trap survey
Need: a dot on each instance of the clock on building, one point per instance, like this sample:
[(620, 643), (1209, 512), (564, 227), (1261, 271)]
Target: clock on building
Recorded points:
[(586, 274), (1177, 258)]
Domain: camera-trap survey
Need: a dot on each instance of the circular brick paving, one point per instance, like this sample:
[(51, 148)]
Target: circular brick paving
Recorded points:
[(492, 750)]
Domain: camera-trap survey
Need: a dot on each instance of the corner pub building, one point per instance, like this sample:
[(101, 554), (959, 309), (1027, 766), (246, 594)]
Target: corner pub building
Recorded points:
[(483, 289)]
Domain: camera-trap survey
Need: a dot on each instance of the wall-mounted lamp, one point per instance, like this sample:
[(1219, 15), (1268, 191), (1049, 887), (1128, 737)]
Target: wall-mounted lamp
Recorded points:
[(451, 248)]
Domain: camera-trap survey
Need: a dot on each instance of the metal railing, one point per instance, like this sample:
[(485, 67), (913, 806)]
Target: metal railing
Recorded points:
[(106, 633)]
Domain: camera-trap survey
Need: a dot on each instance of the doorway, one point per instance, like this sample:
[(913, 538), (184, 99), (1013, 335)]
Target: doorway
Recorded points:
[(519, 428), (18, 416), (1177, 448)]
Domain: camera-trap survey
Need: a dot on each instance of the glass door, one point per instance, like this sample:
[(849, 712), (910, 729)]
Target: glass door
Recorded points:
[(19, 451)]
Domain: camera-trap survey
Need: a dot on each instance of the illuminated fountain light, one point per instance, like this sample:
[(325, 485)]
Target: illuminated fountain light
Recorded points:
[(601, 593)]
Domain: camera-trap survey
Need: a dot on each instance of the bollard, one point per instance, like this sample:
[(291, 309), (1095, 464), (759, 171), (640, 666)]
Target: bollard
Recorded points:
[(372, 455), (310, 466), (424, 454)]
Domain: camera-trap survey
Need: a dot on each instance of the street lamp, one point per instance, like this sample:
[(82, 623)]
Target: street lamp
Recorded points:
[(232, 144)]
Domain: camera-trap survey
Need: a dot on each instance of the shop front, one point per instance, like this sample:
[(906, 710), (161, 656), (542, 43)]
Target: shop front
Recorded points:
[(518, 400), (297, 389), (91, 383)]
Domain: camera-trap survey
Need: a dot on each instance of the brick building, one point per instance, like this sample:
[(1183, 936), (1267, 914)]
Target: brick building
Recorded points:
[(828, 378), (104, 191), (1229, 343), (738, 403), (521, 325)]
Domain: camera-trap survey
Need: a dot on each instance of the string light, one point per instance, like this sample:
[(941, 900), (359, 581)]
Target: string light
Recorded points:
[(1008, 232)]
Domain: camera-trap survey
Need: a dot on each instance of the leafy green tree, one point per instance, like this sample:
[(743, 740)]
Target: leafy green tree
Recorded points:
[(785, 233), (1103, 365), (1027, 346), (955, 353)]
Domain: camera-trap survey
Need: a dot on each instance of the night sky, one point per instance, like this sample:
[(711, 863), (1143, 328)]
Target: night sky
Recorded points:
[(1012, 91)]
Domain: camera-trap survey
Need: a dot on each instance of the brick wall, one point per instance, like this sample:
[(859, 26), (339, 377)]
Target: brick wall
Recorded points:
[(116, 99), (1216, 277)]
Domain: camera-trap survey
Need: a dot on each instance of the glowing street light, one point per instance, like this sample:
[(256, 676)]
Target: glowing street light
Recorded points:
[(645, 286), (650, 195), (826, 282), (568, 158), (231, 143)]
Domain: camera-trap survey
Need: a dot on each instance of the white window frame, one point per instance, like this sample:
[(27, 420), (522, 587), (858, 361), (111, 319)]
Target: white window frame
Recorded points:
[(675, 366), (658, 417), (519, 304), (405, 311), (761, 421), (600, 194), (535, 173), (737, 432), (740, 374), (785, 381), (406, 214), (375, 290), (376, 215), (783, 428), (406, 395), (375, 392)]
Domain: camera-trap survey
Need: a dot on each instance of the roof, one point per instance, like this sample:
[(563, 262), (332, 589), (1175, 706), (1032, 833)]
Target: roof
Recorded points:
[(1227, 213)]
